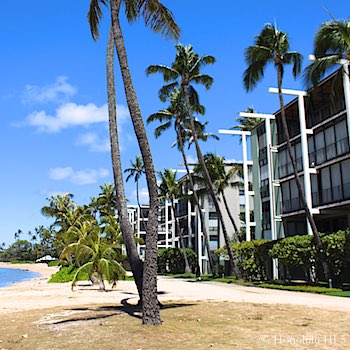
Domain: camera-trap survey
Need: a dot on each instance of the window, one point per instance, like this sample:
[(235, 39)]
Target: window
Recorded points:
[(213, 216)]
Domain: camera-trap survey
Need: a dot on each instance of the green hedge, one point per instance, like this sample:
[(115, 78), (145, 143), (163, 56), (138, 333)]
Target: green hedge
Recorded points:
[(171, 260), (298, 251)]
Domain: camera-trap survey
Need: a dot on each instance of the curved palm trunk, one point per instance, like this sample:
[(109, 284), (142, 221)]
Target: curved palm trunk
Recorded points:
[(125, 226), (187, 265), (232, 266), (150, 304), (138, 201), (102, 282), (212, 265), (316, 236), (229, 213)]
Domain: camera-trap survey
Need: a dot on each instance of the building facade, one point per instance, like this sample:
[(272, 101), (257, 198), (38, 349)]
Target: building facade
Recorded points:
[(318, 123)]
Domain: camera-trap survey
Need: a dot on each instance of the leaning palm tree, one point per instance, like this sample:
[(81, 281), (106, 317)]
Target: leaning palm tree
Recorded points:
[(94, 255), (176, 114), (182, 74), (125, 225), (331, 49), (222, 179), (170, 189), (136, 170), (160, 20), (272, 46)]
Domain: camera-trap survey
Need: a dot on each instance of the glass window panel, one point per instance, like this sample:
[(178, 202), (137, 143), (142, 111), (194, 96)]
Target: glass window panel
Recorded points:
[(336, 182)]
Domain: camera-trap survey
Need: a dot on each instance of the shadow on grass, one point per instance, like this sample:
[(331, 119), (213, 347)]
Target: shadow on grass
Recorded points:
[(103, 312)]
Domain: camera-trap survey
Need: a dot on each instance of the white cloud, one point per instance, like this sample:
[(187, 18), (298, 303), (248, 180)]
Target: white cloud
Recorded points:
[(191, 159), (68, 115), (71, 114), (143, 195), (95, 142), (78, 177), (60, 91)]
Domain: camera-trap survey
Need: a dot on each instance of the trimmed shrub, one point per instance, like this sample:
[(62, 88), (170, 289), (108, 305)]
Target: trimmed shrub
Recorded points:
[(171, 260)]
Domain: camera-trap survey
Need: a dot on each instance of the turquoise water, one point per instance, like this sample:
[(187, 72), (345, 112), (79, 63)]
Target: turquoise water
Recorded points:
[(9, 276)]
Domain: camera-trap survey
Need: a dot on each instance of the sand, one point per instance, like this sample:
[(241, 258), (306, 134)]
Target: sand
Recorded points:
[(38, 294)]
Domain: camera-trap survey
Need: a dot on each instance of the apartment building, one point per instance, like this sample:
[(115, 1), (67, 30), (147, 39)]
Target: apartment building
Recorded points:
[(318, 123), (187, 213)]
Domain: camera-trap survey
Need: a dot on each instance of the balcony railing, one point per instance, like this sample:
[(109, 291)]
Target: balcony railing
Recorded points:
[(331, 195), (329, 152), (290, 205), (287, 169)]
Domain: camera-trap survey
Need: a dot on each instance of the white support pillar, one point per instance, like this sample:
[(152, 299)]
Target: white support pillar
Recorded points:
[(244, 135), (166, 223), (267, 118), (346, 85), (304, 147)]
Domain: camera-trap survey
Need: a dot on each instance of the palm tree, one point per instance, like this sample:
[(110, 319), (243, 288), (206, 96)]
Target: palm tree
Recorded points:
[(126, 228), (184, 71), (94, 255), (160, 20), (331, 46), (221, 178), (94, 206), (136, 171), (272, 46), (247, 123), (176, 114), (107, 200), (169, 189)]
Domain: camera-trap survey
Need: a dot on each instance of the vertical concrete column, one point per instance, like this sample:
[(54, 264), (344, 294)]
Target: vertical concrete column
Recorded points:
[(246, 186), (305, 156), (346, 85)]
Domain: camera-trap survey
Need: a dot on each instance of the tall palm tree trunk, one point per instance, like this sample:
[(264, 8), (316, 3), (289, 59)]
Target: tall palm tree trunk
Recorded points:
[(212, 265), (232, 266), (150, 304), (229, 212), (125, 226), (182, 241), (316, 236)]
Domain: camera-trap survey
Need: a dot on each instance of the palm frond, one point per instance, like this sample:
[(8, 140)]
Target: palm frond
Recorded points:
[(88, 268), (203, 79), (166, 90), (161, 128), (94, 16), (253, 74), (160, 116), (167, 72), (296, 59)]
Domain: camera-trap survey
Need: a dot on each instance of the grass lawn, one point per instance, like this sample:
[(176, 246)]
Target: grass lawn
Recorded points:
[(187, 325)]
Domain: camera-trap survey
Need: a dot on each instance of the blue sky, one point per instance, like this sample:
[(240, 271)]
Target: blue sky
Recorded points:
[(54, 136)]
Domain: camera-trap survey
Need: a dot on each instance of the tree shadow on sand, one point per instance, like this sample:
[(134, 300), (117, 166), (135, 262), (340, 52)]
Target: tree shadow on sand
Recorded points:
[(81, 314)]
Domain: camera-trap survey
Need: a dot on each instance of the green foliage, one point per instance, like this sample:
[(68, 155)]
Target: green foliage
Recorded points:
[(251, 257), (53, 263), (301, 288), (294, 251), (172, 260), (21, 250), (66, 274)]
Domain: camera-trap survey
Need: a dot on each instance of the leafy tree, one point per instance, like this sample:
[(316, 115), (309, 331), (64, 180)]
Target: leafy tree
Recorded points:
[(272, 46), (160, 20), (182, 74)]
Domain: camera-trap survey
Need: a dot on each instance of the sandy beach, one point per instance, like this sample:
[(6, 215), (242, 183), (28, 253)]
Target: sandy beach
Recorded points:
[(38, 294)]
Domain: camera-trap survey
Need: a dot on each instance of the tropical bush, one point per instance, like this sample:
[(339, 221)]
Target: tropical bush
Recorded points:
[(171, 260), (251, 257)]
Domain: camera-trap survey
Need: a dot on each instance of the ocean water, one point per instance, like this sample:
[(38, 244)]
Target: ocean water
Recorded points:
[(9, 276)]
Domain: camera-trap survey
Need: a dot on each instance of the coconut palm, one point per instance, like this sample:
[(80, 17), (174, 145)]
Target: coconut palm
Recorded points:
[(136, 171), (331, 48), (222, 179), (176, 114), (107, 199), (272, 46), (94, 255), (247, 123), (170, 189), (126, 228), (185, 71), (160, 20)]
